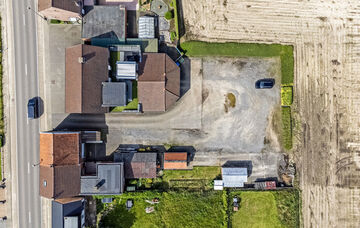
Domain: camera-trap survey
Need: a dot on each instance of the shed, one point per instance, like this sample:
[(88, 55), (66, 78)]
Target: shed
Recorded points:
[(146, 27), (234, 177), (126, 70), (114, 94), (175, 160)]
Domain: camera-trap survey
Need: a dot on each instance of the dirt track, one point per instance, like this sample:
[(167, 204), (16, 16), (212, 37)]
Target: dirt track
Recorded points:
[(326, 39)]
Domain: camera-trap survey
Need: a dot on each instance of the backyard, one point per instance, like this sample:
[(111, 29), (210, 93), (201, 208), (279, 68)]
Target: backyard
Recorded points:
[(202, 209), (175, 209), (266, 209)]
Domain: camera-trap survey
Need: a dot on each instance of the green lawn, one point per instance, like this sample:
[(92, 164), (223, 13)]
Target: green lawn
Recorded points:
[(175, 209), (257, 209)]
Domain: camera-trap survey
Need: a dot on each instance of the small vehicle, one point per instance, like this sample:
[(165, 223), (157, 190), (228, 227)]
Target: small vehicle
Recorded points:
[(33, 108), (129, 204), (266, 83)]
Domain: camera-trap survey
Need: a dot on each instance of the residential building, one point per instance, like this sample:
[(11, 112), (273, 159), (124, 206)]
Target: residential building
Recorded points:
[(86, 67), (108, 180), (158, 82), (68, 213), (137, 164), (61, 158), (59, 164), (175, 160), (105, 22), (234, 177), (64, 10)]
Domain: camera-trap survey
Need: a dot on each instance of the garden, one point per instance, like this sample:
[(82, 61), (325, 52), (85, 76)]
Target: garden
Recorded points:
[(201, 209)]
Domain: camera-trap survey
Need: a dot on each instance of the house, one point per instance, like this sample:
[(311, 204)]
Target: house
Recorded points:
[(146, 28), (158, 82), (137, 164), (59, 164), (68, 212), (86, 67), (108, 180), (64, 10), (61, 158), (234, 177), (105, 22), (175, 160)]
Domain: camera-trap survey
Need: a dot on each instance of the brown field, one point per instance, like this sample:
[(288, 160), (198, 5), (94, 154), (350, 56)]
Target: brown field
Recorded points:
[(326, 39)]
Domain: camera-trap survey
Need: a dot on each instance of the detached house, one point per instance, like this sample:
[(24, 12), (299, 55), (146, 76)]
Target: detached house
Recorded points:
[(64, 10)]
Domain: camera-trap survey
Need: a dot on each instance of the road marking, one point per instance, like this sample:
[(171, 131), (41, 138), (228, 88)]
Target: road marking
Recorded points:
[(24, 19), (27, 119), (28, 167), (29, 216), (25, 68)]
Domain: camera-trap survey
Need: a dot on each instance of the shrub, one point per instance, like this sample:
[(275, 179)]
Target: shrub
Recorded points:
[(169, 15), (286, 95)]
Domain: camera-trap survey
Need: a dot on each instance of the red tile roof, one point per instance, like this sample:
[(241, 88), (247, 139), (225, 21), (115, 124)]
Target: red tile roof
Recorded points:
[(175, 165), (175, 156), (159, 82), (59, 148)]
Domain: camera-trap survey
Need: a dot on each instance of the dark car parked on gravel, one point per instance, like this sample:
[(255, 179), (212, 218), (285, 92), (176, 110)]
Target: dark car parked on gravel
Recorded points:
[(266, 83)]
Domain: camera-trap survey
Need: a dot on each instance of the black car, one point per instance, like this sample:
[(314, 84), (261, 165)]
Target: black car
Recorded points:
[(33, 108), (266, 83)]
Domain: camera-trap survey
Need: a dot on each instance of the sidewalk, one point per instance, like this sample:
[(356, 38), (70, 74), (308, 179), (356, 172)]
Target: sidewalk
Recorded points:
[(8, 209)]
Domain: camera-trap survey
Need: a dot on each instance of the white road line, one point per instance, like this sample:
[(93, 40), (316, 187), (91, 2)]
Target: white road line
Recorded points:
[(24, 19), (28, 167), (25, 68), (29, 216), (27, 119)]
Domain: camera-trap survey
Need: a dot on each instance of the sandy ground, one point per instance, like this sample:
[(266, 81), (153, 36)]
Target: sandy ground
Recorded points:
[(326, 38)]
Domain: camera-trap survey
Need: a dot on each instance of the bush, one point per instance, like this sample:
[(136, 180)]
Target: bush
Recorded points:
[(172, 35), (169, 15), (286, 95)]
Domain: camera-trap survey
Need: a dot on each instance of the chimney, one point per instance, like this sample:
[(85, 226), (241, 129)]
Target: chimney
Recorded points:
[(82, 60)]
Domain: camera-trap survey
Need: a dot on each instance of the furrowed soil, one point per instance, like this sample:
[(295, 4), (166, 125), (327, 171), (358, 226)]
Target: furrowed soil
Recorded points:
[(326, 39)]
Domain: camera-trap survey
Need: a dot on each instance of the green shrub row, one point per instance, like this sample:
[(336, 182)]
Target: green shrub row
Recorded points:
[(286, 95), (286, 121)]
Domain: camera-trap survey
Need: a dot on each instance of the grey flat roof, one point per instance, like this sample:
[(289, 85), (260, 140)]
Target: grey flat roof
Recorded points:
[(105, 22), (61, 211), (146, 27), (234, 177), (108, 181), (114, 94)]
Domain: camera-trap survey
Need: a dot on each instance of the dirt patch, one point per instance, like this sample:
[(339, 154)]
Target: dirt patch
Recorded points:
[(230, 102), (204, 95)]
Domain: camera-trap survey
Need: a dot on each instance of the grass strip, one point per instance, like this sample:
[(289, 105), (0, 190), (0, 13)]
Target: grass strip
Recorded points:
[(286, 127), (202, 49), (286, 95), (176, 19)]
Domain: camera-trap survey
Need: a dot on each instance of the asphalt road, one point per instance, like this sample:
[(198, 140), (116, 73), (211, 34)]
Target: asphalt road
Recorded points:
[(27, 138)]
